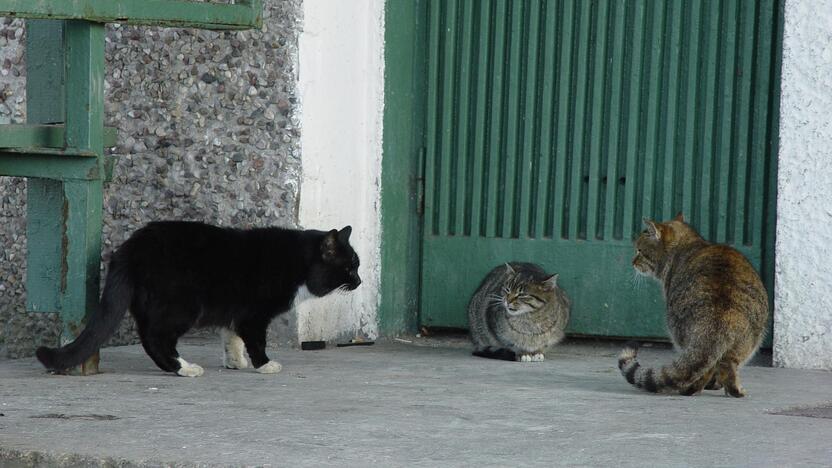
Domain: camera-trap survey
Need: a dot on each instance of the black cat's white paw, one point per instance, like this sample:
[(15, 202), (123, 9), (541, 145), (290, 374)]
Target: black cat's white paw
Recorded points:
[(188, 369), (234, 351), (271, 367)]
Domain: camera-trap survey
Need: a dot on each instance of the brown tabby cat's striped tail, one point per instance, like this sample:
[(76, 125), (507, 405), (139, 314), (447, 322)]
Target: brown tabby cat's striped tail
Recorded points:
[(683, 375)]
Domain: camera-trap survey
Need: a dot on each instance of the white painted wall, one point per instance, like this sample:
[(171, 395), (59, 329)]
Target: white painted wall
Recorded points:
[(803, 276), (341, 81)]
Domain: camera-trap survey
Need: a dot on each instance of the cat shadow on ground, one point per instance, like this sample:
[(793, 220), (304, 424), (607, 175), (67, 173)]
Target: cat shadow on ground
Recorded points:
[(609, 380)]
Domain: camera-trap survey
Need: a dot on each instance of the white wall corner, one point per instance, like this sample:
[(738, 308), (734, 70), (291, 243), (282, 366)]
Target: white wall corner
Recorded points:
[(803, 270), (341, 84)]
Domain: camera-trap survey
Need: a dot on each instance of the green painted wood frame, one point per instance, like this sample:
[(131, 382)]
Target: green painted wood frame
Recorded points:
[(65, 200), (245, 14), (404, 107)]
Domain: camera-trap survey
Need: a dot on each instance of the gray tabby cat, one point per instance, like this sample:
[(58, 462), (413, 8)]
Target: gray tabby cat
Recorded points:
[(517, 312)]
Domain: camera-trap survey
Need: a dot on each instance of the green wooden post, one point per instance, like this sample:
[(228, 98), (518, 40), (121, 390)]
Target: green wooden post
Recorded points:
[(44, 104), (66, 71), (82, 199), (43, 233), (81, 254)]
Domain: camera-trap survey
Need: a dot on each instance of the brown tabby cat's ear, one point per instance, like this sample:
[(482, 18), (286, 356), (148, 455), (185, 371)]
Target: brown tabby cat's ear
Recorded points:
[(329, 246), (552, 281), (653, 229), (509, 269), (679, 217)]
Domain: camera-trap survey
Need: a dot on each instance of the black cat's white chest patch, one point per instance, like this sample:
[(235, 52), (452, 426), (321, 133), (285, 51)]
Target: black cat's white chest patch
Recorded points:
[(303, 295)]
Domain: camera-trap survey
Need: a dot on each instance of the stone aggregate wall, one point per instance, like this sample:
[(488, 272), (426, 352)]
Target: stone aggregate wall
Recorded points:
[(208, 129)]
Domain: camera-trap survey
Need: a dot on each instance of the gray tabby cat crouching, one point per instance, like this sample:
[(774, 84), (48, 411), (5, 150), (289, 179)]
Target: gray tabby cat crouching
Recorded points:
[(717, 309), (517, 312)]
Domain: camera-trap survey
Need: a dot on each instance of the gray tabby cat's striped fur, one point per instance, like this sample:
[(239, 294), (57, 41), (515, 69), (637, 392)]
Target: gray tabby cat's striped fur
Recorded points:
[(517, 312)]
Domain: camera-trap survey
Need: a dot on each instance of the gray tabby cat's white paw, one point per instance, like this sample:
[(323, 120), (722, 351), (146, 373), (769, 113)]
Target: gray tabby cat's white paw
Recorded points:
[(536, 357), (187, 369), (271, 367)]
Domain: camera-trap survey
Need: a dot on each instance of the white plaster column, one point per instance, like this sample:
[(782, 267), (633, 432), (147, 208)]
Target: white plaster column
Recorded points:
[(341, 82), (803, 274)]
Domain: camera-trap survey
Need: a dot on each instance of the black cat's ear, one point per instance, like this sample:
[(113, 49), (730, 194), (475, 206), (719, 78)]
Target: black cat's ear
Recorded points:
[(679, 217), (344, 234), (653, 229), (552, 281), (509, 269), (329, 246)]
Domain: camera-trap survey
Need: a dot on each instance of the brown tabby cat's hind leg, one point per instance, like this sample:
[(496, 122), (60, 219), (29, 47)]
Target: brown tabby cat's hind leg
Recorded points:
[(697, 387), (730, 379), (714, 383)]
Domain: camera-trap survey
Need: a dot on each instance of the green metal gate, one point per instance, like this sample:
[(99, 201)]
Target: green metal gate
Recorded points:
[(553, 127)]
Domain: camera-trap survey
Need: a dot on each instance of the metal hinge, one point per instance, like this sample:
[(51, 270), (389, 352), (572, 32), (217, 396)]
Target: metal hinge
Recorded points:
[(420, 183)]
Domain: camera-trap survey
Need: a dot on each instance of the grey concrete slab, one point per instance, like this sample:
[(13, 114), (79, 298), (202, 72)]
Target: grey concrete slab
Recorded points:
[(427, 403)]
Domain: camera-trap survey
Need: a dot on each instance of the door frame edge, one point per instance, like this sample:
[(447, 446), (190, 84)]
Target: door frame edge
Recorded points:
[(403, 136)]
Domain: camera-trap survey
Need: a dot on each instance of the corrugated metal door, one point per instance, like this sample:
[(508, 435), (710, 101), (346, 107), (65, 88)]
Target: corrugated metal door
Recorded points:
[(553, 127)]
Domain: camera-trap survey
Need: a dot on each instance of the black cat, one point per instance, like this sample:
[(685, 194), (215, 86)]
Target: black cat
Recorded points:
[(173, 276)]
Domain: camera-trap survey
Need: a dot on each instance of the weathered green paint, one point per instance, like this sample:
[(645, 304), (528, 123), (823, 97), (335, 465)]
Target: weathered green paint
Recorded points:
[(64, 214), (172, 13), (85, 85), (44, 71), (44, 208), (44, 104), (400, 176), (56, 166), (82, 199), (81, 253), (30, 138), (553, 127)]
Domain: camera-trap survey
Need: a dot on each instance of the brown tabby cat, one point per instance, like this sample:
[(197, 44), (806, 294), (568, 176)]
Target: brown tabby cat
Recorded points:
[(717, 309)]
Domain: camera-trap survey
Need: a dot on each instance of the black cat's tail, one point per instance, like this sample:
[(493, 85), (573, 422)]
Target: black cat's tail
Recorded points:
[(115, 301), (496, 353)]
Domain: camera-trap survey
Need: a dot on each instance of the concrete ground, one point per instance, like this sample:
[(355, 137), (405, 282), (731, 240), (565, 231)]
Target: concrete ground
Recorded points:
[(424, 403)]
